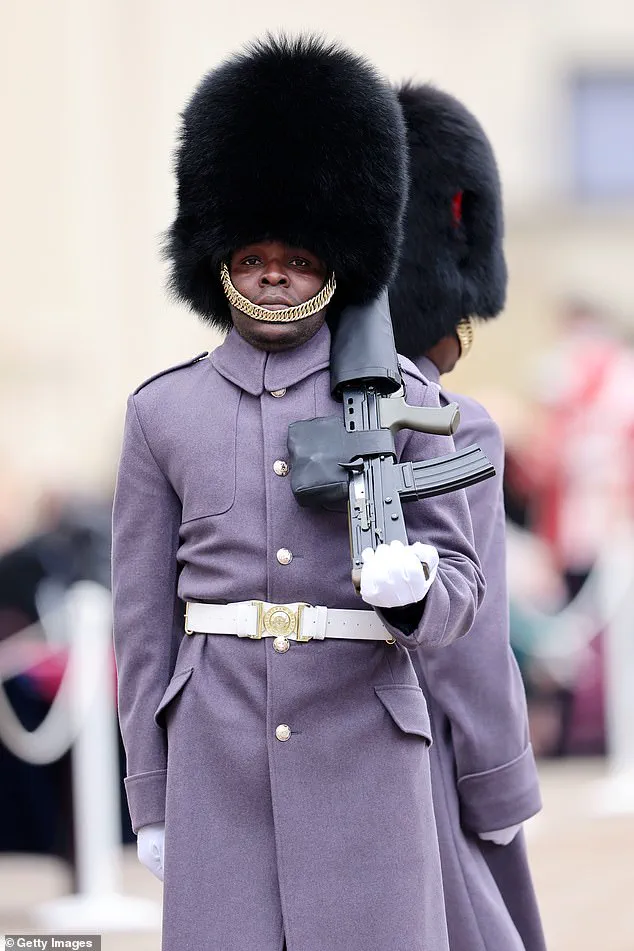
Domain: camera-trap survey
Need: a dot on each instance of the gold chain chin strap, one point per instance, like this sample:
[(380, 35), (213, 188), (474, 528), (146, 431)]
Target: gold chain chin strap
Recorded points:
[(311, 306), (465, 334)]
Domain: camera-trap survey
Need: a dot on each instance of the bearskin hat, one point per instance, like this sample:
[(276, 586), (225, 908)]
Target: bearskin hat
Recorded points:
[(452, 260), (295, 140)]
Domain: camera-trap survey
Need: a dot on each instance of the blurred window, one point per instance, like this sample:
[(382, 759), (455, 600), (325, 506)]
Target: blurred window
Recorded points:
[(603, 135)]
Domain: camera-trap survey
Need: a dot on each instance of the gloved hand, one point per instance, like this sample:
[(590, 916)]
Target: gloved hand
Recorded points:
[(393, 575), (501, 836), (150, 847)]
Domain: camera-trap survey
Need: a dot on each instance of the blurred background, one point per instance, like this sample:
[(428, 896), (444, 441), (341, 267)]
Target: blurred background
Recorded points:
[(90, 94)]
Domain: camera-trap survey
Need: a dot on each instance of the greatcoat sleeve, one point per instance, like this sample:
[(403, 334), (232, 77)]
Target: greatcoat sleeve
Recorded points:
[(476, 681), (451, 603), (148, 618)]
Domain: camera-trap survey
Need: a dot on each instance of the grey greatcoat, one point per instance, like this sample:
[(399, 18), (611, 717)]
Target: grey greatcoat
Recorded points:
[(328, 838), (483, 770)]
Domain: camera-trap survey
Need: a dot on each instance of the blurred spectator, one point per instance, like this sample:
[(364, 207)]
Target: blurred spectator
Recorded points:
[(572, 484), (582, 464), (12, 506), (72, 543)]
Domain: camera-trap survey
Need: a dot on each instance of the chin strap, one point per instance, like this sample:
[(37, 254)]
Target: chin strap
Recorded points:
[(311, 306), (465, 333)]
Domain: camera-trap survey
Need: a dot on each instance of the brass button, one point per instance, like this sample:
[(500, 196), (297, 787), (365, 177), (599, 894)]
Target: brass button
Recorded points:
[(280, 467), (278, 393), (284, 556), (281, 644), (283, 732)]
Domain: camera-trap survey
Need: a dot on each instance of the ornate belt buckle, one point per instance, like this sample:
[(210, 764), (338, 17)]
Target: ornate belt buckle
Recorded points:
[(280, 620)]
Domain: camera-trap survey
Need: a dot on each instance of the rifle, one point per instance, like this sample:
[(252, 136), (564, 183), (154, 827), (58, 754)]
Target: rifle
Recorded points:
[(353, 457)]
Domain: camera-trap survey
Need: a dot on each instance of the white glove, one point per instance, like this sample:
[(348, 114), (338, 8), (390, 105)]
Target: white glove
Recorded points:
[(393, 575), (150, 847), (501, 836)]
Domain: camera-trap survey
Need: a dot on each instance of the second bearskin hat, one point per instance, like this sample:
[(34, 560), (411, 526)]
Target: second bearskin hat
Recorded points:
[(296, 140), (452, 262)]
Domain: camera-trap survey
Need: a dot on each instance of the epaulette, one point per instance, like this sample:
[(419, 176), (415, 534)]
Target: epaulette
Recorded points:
[(177, 366)]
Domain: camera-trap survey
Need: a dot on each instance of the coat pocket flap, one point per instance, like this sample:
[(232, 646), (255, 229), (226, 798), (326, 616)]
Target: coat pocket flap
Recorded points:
[(172, 690), (407, 706)]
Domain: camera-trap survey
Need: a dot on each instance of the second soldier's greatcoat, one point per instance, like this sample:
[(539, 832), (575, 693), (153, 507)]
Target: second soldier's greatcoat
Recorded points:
[(484, 779), (483, 769)]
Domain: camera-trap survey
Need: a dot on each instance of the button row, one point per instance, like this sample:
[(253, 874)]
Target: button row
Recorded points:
[(284, 556)]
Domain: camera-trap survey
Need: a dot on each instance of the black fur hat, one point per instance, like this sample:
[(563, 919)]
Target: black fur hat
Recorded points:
[(452, 260), (296, 140)]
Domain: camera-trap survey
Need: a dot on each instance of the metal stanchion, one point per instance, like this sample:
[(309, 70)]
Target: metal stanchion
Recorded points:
[(97, 906), (615, 793)]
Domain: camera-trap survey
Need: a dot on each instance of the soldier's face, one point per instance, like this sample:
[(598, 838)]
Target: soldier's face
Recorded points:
[(276, 276)]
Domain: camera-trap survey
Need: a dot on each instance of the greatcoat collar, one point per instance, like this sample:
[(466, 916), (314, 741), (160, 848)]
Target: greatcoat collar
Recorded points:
[(428, 368), (256, 370)]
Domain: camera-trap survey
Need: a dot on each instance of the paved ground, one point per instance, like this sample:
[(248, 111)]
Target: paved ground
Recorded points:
[(583, 864)]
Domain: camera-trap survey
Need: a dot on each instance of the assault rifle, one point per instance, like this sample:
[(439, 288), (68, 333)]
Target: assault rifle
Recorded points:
[(353, 458)]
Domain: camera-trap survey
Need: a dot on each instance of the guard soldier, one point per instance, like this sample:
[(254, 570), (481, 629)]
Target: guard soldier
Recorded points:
[(277, 741), (484, 778)]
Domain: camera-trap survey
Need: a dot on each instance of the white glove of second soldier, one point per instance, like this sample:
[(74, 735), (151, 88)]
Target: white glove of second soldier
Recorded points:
[(501, 836), (393, 575), (150, 847)]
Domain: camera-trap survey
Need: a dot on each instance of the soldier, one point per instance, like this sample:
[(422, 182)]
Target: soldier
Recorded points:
[(484, 778), (288, 783)]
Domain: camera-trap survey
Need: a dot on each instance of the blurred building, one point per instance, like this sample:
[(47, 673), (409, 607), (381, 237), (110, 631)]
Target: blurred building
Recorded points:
[(90, 98)]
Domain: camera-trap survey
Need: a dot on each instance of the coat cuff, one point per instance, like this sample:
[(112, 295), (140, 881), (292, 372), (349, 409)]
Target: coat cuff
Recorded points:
[(431, 627), (146, 797), (501, 797)]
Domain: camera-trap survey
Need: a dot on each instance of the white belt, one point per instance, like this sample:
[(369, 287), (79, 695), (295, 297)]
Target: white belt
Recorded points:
[(295, 622)]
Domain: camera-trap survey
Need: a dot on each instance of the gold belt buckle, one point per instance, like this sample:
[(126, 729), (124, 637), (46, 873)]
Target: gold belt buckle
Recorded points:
[(280, 620)]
